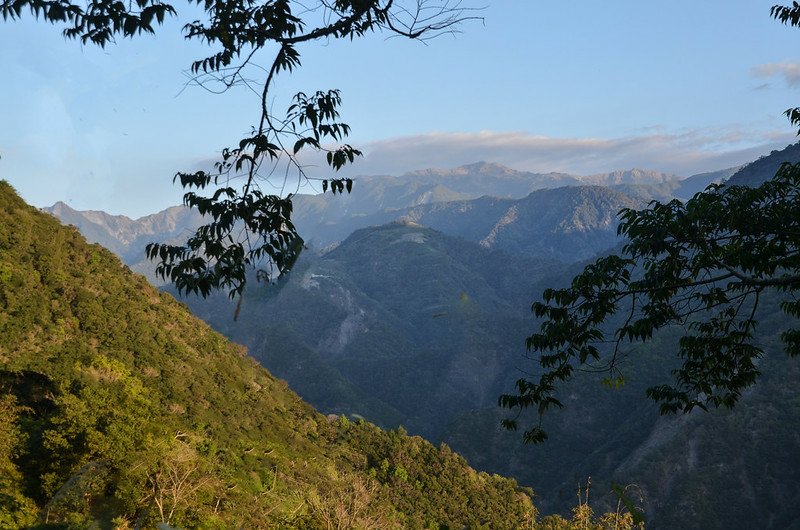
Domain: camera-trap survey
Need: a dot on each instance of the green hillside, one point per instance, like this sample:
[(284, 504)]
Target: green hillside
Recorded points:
[(118, 409)]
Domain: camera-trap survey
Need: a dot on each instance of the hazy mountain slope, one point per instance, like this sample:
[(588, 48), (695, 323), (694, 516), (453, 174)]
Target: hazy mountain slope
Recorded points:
[(128, 237), (325, 219), (631, 176), (486, 178), (727, 469), (751, 453), (119, 405), (94, 226), (697, 183), (676, 188), (663, 192), (568, 224), (471, 219), (404, 314), (765, 167)]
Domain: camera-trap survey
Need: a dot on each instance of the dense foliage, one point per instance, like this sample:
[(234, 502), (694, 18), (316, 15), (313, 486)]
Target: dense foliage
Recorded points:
[(120, 408)]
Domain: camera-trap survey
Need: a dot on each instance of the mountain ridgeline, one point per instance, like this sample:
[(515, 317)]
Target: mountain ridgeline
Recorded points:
[(567, 224), (120, 409), (487, 195)]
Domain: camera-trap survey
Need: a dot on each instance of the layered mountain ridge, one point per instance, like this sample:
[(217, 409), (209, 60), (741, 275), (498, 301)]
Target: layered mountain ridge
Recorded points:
[(325, 219)]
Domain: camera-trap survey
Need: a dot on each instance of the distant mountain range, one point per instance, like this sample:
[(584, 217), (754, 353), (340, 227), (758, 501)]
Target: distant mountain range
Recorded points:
[(567, 224), (325, 219), (475, 190)]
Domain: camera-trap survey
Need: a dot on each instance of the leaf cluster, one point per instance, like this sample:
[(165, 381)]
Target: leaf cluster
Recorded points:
[(97, 22)]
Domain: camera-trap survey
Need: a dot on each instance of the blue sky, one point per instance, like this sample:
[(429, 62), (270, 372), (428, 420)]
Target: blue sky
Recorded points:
[(583, 87)]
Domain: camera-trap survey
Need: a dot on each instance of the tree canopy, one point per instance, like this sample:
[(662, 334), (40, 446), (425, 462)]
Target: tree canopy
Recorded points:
[(703, 265), (252, 42)]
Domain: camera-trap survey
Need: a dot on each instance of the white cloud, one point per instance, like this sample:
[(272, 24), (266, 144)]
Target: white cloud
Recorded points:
[(684, 153), (789, 71)]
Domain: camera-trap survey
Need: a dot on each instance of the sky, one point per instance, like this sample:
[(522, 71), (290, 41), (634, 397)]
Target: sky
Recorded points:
[(581, 87)]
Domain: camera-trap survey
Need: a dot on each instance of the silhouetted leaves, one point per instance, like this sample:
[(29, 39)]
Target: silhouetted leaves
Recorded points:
[(702, 265), (247, 227)]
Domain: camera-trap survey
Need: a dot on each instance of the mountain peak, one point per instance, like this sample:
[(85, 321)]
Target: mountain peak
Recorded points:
[(630, 176), (483, 167), (476, 168), (60, 205)]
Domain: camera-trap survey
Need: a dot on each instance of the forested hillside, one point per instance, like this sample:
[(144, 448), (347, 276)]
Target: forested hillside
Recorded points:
[(120, 409)]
